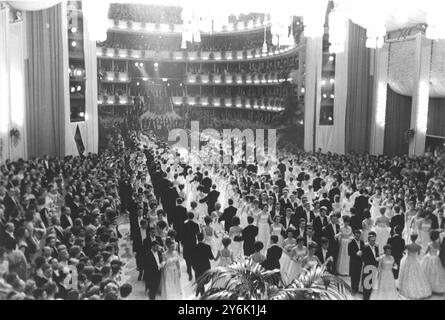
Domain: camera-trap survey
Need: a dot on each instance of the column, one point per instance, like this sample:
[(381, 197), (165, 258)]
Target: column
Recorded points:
[(421, 79), (379, 100)]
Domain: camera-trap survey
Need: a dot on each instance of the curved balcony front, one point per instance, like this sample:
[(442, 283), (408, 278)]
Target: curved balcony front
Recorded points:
[(176, 29), (270, 104), (194, 56), (248, 79)]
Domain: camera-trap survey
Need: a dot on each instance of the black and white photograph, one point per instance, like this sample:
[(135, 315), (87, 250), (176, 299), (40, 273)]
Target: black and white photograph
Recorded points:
[(192, 150)]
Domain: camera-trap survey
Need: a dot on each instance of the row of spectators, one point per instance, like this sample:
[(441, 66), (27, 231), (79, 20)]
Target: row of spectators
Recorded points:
[(145, 13), (166, 14), (59, 226)]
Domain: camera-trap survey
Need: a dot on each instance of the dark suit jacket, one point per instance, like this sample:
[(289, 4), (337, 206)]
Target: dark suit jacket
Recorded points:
[(293, 221), (356, 222), (249, 234), (319, 254), (361, 203), (227, 217), (273, 257), (64, 222), (319, 224), (368, 257), (353, 248), (137, 240), (442, 252), (146, 244), (178, 217), (328, 233), (211, 199), (11, 207), (152, 274), (301, 214), (190, 230), (207, 183), (397, 220), (398, 246), (201, 258)]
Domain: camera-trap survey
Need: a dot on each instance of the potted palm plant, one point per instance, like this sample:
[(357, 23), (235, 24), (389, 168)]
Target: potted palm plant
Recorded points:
[(250, 281)]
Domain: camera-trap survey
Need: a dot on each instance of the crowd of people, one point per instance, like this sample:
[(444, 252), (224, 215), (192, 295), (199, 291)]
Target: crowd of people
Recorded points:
[(145, 13), (378, 220), (375, 219), (59, 222)]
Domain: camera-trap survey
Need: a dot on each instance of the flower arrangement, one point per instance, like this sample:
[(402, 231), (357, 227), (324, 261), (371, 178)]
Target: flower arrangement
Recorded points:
[(14, 134)]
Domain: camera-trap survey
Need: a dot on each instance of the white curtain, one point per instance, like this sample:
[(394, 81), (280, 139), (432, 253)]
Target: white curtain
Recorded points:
[(17, 54), (312, 89), (91, 138), (4, 85), (12, 88)]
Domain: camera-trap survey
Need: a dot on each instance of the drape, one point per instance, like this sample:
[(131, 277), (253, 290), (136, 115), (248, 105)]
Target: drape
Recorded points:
[(17, 87), (47, 69), (312, 90), (398, 120), (332, 138), (359, 92), (4, 85), (436, 117), (380, 78)]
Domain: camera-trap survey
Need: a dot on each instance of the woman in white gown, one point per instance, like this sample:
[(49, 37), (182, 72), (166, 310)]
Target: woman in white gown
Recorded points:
[(432, 266), (384, 287), (375, 201), (244, 210), (224, 256), (277, 229), (343, 256), (263, 227), (382, 229), (424, 234), (286, 258), (201, 209), (296, 266), (171, 288), (210, 235), (235, 234), (413, 283)]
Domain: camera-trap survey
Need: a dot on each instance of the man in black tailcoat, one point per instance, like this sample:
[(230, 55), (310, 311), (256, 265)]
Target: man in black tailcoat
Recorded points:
[(202, 254), (398, 247), (211, 199), (189, 232), (152, 269), (370, 264), (355, 252)]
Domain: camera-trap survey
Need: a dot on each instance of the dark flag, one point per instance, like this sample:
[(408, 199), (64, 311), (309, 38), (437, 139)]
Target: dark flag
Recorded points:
[(79, 141)]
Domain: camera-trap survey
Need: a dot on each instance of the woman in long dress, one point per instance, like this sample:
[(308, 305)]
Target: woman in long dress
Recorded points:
[(424, 234), (367, 225), (210, 235), (413, 283), (311, 261), (171, 274), (286, 258), (375, 202), (201, 209), (384, 287), (382, 229), (277, 229), (225, 255), (297, 255), (263, 227), (235, 233), (343, 256), (432, 266)]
